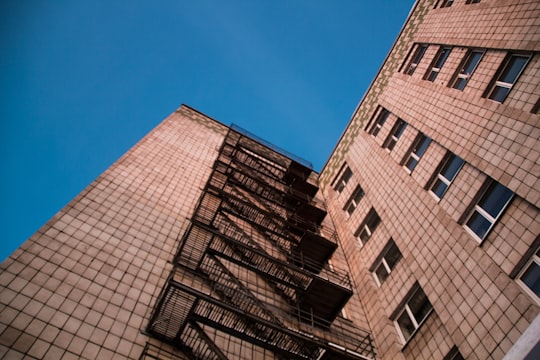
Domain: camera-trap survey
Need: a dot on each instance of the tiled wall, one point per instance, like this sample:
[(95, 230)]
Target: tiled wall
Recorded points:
[(84, 285)]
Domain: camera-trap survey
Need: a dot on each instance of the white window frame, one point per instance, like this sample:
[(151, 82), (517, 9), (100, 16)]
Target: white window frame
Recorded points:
[(381, 118), (393, 137), (408, 311), (384, 263), (506, 85), (478, 209), (443, 179), (417, 56), (442, 55), (535, 258), (413, 154), (353, 202), (365, 229), (343, 180), (462, 75)]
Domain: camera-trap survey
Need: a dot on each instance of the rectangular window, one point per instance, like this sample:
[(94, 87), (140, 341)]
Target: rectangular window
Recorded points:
[(343, 180), (454, 354), (379, 122), (506, 76), (471, 2), (395, 134), (354, 200), (466, 69), (368, 226), (446, 3), (415, 59), (449, 168), (418, 149), (413, 314), (386, 262), (488, 210), (529, 277), (437, 63)]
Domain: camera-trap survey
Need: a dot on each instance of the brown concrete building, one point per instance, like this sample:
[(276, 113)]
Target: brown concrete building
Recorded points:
[(419, 239)]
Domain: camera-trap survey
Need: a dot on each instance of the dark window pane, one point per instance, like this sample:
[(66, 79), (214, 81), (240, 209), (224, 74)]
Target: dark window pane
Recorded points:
[(479, 224), (422, 146), (499, 93), (531, 278), (513, 69), (420, 306), (373, 221), (411, 163), (381, 272), (393, 256), (472, 62), (406, 325), (364, 235), (495, 199), (460, 83), (451, 167), (439, 188)]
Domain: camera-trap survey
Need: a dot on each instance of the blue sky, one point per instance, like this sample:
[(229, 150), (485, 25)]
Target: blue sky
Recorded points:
[(83, 81)]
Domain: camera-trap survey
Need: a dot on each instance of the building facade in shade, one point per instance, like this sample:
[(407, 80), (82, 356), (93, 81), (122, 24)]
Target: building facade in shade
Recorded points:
[(418, 240)]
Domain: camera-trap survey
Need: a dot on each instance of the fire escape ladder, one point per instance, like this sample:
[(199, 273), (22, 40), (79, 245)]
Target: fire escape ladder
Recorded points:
[(200, 345)]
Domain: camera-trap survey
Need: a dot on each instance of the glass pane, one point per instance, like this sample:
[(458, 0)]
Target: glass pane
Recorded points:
[(439, 188), (422, 146), (364, 236), (405, 325), (433, 75), (513, 69), (451, 167), (391, 144), (479, 224), (460, 83), (347, 175), (420, 306), (495, 199), (411, 163), (373, 221), (381, 272), (499, 93), (472, 62), (393, 256), (400, 127), (531, 278)]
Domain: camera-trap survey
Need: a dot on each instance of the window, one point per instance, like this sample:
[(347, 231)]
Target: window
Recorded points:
[(343, 180), (388, 259), (437, 63), (418, 149), (447, 3), (368, 226), (413, 313), (395, 134), (454, 354), (488, 209), (451, 165), (379, 122), (355, 198), (466, 69), (506, 76), (415, 59), (530, 276), (471, 2)]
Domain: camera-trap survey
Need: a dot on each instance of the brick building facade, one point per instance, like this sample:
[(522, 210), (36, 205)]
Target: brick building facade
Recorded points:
[(418, 240)]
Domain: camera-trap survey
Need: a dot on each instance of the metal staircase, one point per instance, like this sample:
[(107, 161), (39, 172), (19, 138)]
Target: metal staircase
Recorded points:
[(256, 221)]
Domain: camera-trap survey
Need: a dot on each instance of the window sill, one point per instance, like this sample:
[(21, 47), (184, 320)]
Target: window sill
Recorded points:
[(417, 330)]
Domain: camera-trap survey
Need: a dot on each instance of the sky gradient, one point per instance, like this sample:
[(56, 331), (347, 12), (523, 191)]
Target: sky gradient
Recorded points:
[(83, 81)]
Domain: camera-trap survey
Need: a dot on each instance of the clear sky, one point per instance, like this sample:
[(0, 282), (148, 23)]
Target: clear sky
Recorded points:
[(83, 81)]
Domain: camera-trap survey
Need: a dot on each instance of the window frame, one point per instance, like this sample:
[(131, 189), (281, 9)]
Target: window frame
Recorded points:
[(446, 3), (415, 59), (382, 261), (354, 200), (437, 63), (461, 77), (366, 228), (497, 84), (485, 191), (438, 176), (404, 308), (468, 2), (395, 134), (534, 259), (416, 151), (381, 117), (343, 180)]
